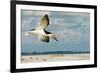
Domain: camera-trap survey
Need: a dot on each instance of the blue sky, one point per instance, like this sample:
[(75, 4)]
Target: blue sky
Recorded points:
[(71, 28)]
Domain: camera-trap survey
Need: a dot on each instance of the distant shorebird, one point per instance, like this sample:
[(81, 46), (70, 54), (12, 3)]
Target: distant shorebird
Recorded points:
[(40, 31)]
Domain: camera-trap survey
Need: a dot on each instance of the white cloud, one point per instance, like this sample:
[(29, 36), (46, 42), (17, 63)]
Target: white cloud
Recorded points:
[(78, 14), (69, 34), (26, 23), (60, 26), (32, 13), (62, 30)]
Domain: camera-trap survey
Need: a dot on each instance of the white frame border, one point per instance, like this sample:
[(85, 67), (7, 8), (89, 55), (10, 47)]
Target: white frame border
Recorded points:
[(51, 64)]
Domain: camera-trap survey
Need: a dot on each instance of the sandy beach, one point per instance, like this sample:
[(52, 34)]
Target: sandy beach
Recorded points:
[(54, 57)]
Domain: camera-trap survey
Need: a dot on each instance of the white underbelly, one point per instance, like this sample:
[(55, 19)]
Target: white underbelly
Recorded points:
[(39, 32)]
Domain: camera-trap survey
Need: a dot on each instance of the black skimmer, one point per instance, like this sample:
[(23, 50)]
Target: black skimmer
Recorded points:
[(40, 31)]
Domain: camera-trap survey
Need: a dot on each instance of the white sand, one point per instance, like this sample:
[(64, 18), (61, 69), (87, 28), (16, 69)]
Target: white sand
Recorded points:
[(54, 57)]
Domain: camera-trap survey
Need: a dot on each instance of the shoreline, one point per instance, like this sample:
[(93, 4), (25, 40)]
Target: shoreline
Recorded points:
[(54, 57)]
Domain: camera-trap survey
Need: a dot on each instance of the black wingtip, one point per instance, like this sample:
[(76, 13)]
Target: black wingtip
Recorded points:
[(32, 29), (46, 15)]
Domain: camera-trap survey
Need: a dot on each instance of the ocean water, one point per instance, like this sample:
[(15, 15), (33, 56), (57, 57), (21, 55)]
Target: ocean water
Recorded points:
[(55, 52)]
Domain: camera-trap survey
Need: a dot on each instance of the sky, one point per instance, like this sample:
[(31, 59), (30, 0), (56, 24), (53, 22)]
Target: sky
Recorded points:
[(72, 29)]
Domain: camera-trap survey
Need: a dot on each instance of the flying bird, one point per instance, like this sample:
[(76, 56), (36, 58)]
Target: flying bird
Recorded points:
[(41, 32)]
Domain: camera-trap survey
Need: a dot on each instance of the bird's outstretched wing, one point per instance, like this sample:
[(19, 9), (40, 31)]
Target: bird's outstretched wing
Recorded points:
[(44, 22)]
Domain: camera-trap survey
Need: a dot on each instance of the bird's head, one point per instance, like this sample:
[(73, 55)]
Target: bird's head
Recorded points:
[(54, 37)]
